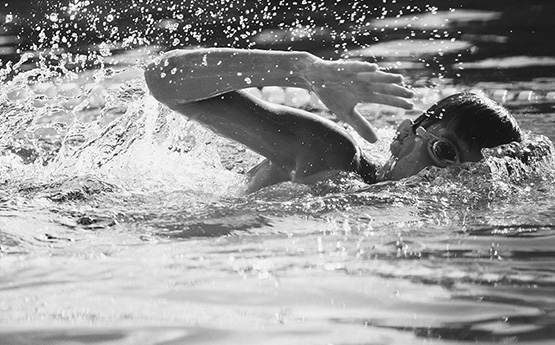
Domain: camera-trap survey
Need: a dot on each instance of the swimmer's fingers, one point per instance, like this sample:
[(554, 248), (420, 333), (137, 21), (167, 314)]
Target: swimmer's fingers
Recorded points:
[(325, 72), (353, 67), (385, 89), (383, 82), (388, 94), (380, 77), (341, 85), (388, 100)]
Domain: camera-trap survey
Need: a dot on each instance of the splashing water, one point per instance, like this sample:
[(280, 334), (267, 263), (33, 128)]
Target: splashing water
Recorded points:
[(116, 211), (58, 136)]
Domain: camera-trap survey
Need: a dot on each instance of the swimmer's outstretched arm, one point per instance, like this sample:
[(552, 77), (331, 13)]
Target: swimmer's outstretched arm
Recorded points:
[(184, 76)]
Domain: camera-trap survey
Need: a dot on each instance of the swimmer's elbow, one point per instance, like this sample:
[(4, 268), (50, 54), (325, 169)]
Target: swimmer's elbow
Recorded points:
[(173, 79), (164, 82), (185, 76), (158, 87)]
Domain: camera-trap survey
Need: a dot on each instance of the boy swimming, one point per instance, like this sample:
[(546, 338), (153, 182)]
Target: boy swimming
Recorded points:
[(206, 85)]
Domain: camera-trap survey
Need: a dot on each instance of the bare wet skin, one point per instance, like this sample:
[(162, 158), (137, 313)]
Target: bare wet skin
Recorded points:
[(122, 222)]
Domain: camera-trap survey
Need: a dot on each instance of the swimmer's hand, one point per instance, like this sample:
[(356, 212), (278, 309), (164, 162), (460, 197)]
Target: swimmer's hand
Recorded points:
[(341, 85)]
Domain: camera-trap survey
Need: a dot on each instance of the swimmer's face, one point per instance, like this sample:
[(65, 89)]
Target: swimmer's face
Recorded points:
[(414, 149)]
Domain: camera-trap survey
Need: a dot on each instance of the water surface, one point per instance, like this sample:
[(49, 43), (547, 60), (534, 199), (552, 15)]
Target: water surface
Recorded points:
[(123, 223)]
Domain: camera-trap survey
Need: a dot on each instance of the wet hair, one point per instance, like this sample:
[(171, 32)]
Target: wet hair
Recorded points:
[(478, 121)]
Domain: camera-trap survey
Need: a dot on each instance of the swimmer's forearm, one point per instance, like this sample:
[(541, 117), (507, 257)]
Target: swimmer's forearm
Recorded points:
[(183, 76)]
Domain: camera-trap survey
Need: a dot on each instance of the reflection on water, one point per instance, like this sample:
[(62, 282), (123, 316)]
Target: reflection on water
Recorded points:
[(122, 222)]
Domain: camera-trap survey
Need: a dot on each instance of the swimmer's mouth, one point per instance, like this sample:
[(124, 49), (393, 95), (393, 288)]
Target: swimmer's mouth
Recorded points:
[(386, 170)]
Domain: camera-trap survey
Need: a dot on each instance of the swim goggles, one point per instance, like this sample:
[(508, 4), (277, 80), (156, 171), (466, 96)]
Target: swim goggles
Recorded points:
[(442, 151)]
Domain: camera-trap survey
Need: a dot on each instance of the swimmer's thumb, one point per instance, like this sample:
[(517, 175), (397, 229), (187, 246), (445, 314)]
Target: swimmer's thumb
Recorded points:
[(362, 126)]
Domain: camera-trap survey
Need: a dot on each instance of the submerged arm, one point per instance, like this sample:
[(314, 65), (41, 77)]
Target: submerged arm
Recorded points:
[(184, 76)]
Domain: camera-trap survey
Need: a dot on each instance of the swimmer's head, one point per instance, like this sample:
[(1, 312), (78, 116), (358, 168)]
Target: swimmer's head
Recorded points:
[(452, 131), (478, 121)]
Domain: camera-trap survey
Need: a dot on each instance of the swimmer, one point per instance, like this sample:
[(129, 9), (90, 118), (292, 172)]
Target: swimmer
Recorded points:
[(206, 86)]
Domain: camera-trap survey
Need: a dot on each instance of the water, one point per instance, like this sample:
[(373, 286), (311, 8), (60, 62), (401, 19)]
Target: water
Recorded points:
[(124, 223)]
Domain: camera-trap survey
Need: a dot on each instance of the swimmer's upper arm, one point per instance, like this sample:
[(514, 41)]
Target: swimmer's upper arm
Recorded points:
[(301, 143), (181, 76)]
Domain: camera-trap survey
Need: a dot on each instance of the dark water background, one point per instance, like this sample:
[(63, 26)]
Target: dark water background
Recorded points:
[(525, 28), (106, 244)]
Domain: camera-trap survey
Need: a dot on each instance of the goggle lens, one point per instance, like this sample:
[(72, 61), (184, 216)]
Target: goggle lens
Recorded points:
[(444, 152)]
